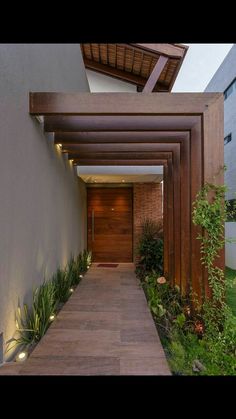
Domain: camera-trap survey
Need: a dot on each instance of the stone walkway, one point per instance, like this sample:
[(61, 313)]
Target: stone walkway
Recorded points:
[(104, 329)]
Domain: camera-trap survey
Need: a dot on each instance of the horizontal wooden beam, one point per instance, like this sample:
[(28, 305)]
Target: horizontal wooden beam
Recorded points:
[(103, 148), (170, 50), (120, 103), (120, 156), (114, 162), (69, 138), (119, 123)]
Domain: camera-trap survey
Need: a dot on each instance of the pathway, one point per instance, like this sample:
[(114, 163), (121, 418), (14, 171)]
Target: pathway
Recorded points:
[(104, 329)]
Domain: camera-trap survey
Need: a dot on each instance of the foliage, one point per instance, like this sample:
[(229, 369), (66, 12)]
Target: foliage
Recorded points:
[(62, 283), (210, 213), (150, 249), (202, 342), (231, 288), (231, 210), (32, 323)]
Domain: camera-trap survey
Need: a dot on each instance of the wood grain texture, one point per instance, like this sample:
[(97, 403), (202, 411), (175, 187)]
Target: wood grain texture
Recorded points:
[(113, 224)]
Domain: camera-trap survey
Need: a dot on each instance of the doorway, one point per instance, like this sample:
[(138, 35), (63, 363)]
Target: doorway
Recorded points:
[(110, 223)]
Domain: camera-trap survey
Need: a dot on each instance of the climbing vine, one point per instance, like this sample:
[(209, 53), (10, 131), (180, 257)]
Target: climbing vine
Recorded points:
[(210, 213)]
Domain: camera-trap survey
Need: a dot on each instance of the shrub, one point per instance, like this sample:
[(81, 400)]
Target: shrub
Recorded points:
[(150, 249)]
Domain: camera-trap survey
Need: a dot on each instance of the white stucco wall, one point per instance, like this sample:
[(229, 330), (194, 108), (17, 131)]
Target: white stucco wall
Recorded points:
[(102, 83), (230, 248), (43, 204)]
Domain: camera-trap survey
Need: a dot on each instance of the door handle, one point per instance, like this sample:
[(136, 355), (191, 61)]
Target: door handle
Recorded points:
[(93, 225)]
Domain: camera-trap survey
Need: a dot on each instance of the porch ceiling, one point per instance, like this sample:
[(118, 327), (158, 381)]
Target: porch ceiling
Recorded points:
[(134, 63)]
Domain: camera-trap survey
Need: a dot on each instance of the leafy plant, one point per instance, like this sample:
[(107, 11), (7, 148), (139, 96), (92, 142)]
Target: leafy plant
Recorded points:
[(150, 249), (32, 323), (202, 342)]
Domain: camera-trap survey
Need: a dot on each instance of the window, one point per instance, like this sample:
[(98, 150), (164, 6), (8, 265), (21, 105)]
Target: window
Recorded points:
[(230, 89), (227, 139)]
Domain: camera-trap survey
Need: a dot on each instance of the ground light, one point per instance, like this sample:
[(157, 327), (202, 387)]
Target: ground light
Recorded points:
[(81, 276), (71, 290), (52, 317), (21, 357)]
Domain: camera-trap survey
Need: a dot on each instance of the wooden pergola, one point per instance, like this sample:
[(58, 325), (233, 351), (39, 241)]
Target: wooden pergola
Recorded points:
[(181, 131)]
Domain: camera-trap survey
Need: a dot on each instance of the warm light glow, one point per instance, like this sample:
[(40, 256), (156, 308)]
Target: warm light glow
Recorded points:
[(87, 267), (52, 317), (60, 145), (71, 290), (123, 180), (21, 356), (81, 276)]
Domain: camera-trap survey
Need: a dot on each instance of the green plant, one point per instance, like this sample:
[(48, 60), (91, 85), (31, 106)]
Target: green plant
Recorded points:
[(32, 323), (231, 210), (62, 284), (202, 342), (150, 249), (73, 272), (210, 213)]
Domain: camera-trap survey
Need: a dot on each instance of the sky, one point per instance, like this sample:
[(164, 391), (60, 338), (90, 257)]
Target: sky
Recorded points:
[(199, 65)]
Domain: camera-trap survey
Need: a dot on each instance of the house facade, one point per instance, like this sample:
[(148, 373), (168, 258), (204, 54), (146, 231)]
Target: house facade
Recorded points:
[(83, 170)]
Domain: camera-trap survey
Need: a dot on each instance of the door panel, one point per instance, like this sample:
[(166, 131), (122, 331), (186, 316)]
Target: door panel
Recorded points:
[(110, 224)]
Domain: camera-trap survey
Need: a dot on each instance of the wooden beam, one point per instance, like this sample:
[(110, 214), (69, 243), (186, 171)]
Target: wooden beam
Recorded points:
[(91, 162), (155, 74), (120, 103), (131, 148), (170, 50), (113, 123), (129, 137), (114, 72), (119, 156)]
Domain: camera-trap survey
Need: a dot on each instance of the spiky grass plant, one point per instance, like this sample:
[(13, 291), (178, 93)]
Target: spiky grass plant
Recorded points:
[(73, 272), (32, 323), (62, 284)]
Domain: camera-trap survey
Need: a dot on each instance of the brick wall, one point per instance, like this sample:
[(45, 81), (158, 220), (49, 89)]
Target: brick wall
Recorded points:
[(147, 203)]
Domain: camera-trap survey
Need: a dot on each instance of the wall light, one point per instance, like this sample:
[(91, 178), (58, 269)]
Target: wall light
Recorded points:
[(123, 180)]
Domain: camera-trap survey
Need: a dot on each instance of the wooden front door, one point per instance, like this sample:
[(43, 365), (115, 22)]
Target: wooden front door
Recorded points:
[(110, 224)]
